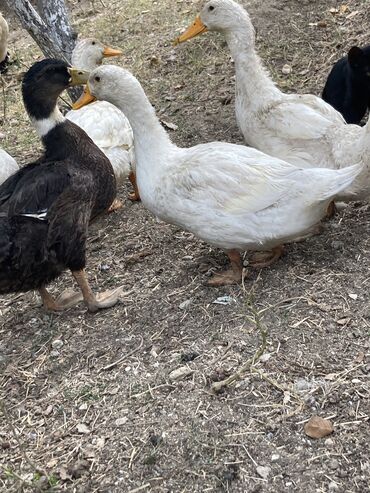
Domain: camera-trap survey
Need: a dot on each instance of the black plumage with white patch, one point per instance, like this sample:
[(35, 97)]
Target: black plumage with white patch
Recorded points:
[(46, 207)]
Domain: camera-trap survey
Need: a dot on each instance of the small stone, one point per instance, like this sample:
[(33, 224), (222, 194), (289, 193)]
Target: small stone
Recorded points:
[(329, 442), (83, 406), (180, 373), (121, 421), (337, 245), (333, 464), (265, 357), (287, 69), (333, 486), (275, 457), (318, 427), (54, 354), (185, 304), (302, 385), (57, 344), (263, 471), (83, 429)]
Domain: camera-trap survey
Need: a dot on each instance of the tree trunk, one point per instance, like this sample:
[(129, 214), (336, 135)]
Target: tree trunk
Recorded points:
[(49, 26)]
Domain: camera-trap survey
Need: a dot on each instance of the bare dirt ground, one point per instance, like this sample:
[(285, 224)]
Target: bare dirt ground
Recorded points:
[(90, 402)]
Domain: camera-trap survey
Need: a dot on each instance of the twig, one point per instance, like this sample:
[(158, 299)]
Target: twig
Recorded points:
[(20, 444), (218, 386), (115, 363)]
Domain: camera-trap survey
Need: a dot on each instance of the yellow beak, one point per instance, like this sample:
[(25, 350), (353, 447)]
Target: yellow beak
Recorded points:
[(108, 52), (78, 77), (194, 30), (84, 99)]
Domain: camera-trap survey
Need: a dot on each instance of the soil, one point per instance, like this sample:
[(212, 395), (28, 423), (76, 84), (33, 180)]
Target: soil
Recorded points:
[(90, 402)]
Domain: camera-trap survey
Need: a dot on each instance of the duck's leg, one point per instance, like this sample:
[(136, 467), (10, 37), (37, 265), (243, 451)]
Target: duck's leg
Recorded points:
[(230, 276), (265, 259), (115, 206), (95, 303), (135, 195), (331, 210), (66, 300)]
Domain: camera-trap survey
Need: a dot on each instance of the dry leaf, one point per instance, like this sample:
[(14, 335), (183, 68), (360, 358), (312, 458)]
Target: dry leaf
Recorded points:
[(318, 427)]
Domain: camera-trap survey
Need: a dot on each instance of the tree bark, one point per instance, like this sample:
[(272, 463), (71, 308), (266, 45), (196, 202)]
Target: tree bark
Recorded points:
[(49, 26)]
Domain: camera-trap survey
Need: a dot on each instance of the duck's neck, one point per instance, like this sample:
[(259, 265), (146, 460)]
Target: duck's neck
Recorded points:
[(44, 125), (150, 138), (253, 82)]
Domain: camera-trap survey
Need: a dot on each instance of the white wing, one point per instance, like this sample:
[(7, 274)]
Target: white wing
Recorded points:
[(8, 165)]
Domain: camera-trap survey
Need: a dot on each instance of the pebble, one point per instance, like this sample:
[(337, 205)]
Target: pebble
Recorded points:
[(263, 471), (57, 344), (275, 457), (121, 421), (54, 354), (287, 69), (337, 245), (329, 442), (185, 304), (333, 486), (301, 385), (333, 464), (180, 373)]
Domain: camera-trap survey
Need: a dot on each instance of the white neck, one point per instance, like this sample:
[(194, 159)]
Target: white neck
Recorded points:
[(253, 82), (3, 38), (150, 138), (44, 126)]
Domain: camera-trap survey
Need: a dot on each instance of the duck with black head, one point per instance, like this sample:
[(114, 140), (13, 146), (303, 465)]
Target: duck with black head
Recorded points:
[(47, 206)]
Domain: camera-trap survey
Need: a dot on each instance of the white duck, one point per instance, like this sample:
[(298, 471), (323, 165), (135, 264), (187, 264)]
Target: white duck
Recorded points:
[(301, 129), (234, 197), (8, 166), (104, 123), (4, 55)]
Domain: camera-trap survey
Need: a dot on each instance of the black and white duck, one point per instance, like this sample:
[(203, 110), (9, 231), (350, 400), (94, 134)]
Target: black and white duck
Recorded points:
[(47, 206)]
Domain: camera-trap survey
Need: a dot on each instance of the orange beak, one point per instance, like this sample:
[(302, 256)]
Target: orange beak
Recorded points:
[(108, 52), (84, 99), (194, 30)]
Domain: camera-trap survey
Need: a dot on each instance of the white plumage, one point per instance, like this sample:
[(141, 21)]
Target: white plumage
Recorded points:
[(301, 129), (8, 166), (104, 123), (231, 196)]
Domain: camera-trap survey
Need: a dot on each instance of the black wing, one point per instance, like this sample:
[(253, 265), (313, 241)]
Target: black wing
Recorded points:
[(34, 188)]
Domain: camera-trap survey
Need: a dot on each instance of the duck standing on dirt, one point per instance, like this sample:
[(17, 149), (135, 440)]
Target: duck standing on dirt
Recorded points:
[(301, 129), (103, 122), (232, 196), (46, 207), (4, 55)]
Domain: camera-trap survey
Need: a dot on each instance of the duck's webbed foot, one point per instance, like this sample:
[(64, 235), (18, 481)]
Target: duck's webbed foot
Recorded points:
[(66, 300), (95, 303), (135, 195), (115, 206), (265, 259), (229, 276)]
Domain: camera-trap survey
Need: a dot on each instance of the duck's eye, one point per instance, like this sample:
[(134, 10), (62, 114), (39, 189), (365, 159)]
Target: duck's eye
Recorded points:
[(93, 43), (210, 8), (97, 78)]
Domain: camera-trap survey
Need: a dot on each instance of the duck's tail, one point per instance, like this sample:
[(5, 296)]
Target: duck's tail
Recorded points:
[(335, 181)]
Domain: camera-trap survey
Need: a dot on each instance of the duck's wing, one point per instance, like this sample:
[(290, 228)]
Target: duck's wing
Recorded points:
[(302, 117), (238, 181), (34, 188)]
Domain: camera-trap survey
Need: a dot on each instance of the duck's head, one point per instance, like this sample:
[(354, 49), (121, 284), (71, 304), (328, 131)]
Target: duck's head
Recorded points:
[(225, 16), (4, 31), (113, 84), (89, 53), (43, 83)]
